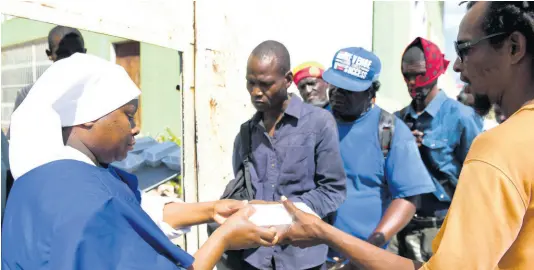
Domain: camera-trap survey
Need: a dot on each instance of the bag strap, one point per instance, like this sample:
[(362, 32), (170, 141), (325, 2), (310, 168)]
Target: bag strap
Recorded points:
[(403, 112), (245, 140), (386, 129), (246, 143)]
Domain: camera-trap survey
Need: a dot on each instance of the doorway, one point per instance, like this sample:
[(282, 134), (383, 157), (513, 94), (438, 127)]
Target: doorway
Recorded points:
[(128, 55)]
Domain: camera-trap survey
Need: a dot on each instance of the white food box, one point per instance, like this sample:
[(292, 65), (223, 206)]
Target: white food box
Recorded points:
[(275, 214)]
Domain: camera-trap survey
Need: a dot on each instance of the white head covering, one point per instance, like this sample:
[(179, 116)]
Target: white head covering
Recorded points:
[(73, 91)]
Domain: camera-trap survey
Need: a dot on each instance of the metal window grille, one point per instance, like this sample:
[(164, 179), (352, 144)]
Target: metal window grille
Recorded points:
[(21, 65)]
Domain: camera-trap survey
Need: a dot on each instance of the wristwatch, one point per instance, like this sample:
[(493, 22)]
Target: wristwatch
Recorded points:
[(377, 239)]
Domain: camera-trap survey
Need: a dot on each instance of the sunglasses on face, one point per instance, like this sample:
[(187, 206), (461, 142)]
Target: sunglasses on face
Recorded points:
[(462, 48)]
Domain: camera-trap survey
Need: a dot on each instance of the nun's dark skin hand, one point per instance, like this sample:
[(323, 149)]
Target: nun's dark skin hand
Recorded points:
[(223, 209), (240, 233), (237, 232), (305, 230)]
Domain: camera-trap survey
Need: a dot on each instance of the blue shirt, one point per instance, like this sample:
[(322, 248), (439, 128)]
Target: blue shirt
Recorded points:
[(372, 181), (71, 215), (302, 162), (449, 128), (5, 169)]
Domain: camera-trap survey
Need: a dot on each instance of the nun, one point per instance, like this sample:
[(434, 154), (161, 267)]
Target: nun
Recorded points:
[(68, 209)]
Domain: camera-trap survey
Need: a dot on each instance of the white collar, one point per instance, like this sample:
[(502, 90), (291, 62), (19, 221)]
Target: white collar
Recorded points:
[(75, 154)]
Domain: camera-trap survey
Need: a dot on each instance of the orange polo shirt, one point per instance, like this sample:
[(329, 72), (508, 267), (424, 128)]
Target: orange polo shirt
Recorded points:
[(490, 224)]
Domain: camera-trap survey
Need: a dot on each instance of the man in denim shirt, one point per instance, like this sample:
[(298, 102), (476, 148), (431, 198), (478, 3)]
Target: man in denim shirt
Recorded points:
[(295, 153), (444, 129)]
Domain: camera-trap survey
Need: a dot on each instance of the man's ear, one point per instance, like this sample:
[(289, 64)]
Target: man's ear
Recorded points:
[(49, 54), (289, 79), (517, 46)]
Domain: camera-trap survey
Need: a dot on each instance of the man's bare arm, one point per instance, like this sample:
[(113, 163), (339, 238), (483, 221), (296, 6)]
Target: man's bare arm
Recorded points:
[(363, 254), (397, 216), (308, 230)]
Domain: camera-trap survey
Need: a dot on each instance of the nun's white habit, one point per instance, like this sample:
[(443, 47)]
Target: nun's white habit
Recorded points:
[(64, 212)]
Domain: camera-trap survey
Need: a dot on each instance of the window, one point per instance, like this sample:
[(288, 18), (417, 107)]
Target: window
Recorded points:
[(21, 65)]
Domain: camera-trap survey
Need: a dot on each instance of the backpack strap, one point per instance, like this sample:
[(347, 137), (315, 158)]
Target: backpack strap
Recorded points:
[(246, 144), (403, 112), (386, 129), (245, 140)]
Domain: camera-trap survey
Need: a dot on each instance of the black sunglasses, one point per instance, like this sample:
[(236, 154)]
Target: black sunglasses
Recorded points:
[(463, 48)]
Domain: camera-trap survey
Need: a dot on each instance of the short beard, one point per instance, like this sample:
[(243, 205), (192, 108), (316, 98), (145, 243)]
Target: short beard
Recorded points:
[(482, 104), (319, 103)]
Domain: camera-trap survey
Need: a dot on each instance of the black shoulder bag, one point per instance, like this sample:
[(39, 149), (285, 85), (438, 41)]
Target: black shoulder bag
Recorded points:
[(239, 188)]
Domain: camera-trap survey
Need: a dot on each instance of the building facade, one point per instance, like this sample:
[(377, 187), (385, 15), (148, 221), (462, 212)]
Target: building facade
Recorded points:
[(155, 69)]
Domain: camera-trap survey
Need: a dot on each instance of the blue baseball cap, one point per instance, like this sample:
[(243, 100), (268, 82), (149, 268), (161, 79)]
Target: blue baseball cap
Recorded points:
[(353, 69)]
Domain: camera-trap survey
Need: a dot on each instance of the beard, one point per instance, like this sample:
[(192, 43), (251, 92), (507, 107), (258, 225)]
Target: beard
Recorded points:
[(482, 104), (319, 103), (351, 111), (419, 94)]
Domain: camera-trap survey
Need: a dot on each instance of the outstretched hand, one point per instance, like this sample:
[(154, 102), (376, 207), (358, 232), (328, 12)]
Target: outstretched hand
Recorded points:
[(240, 233), (305, 230), (223, 209)]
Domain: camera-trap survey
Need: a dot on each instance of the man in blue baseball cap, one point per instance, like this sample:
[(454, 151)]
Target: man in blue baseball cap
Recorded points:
[(380, 156)]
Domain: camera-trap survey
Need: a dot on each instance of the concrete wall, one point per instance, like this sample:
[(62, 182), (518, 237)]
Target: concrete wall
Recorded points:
[(396, 24), (160, 71)]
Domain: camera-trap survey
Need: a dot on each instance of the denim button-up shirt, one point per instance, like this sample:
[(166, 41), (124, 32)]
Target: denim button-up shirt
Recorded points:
[(449, 128), (302, 162)]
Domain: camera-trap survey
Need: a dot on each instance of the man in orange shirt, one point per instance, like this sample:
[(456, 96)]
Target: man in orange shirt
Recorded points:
[(490, 224)]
